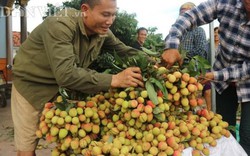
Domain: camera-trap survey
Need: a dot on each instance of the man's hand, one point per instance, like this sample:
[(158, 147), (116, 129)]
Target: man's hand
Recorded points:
[(130, 77), (170, 56), (207, 78)]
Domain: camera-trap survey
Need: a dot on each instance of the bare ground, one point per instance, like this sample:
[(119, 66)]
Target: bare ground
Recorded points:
[(7, 147)]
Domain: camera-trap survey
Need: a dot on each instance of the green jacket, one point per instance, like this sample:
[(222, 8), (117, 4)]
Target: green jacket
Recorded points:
[(58, 53)]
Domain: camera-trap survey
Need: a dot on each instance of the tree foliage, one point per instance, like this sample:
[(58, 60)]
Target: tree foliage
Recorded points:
[(52, 9), (154, 41), (72, 4), (124, 27)]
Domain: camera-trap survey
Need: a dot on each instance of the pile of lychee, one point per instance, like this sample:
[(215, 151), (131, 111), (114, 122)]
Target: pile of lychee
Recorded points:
[(126, 122)]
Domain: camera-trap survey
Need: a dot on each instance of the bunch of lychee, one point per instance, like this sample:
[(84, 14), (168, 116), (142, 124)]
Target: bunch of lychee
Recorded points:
[(184, 90), (127, 122)]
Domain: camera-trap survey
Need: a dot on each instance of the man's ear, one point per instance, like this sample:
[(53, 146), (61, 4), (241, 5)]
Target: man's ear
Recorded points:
[(84, 9)]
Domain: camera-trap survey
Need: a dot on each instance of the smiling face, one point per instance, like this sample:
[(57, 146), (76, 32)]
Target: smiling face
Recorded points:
[(142, 35), (98, 19)]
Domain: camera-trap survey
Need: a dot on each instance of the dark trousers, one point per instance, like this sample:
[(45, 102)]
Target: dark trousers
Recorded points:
[(245, 127), (226, 105)]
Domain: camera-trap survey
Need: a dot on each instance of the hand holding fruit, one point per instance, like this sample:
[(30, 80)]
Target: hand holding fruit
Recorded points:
[(130, 77), (208, 77), (170, 56)]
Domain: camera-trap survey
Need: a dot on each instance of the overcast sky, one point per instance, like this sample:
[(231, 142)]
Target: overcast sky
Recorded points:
[(157, 13)]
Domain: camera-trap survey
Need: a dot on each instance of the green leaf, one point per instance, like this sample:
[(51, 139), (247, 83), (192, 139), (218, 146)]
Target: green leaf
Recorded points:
[(157, 110), (62, 106), (65, 105), (118, 59), (159, 117), (143, 61), (161, 86), (197, 65), (202, 60), (135, 64), (185, 70), (117, 68), (151, 92), (63, 93), (107, 71), (182, 52), (232, 128), (149, 52), (69, 106), (128, 89)]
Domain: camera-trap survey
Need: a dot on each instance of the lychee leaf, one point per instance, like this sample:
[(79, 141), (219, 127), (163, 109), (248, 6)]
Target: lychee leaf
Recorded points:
[(116, 68), (149, 52), (64, 105), (118, 59), (128, 89), (159, 117), (69, 106), (63, 93), (185, 70), (134, 62), (231, 128), (196, 65), (160, 86), (151, 92), (157, 110), (141, 62), (202, 61), (60, 105)]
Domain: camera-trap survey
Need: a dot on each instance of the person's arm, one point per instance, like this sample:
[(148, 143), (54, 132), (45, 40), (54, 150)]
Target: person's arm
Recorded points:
[(61, 56), (234, 73), (58, 39), (239, 72)]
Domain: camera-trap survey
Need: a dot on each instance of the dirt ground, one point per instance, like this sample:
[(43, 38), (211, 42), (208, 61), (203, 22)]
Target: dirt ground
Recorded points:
[(7, 138)]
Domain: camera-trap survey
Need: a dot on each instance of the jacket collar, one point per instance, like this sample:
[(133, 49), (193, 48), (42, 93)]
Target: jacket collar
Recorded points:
[(81, 25)]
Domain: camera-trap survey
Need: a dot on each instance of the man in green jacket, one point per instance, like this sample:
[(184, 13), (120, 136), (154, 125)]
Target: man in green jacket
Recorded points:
[(58, 53)]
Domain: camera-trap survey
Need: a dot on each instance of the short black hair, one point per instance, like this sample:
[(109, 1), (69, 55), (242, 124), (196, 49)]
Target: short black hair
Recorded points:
[(91, 3), (140, 29)]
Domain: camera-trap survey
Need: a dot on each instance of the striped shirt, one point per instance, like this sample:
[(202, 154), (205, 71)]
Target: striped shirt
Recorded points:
[(232, 63), (194, 42)]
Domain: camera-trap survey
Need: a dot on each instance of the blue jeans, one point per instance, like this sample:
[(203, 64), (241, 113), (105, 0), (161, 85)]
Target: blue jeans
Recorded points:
[(226, 105)]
